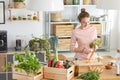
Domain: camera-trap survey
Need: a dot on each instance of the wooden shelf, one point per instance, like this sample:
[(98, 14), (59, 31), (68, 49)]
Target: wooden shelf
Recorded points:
[(64, 22), (22, 20), (17, 9)]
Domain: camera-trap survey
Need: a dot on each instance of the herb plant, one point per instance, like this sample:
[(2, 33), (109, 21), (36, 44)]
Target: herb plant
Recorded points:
[(96, 42), (28, 62), (92, 75), (7, 66)]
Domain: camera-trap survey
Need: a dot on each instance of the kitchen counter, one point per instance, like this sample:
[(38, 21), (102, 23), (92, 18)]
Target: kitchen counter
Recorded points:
[(106, 74)]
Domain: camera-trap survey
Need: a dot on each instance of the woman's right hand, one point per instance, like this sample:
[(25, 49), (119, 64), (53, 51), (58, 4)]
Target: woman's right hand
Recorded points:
[(79, 50), (86, 51)]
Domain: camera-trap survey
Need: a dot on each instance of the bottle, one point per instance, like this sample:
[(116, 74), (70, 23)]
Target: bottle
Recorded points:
[(74, 2), (76, 67), (35, 17), (81, 2), (65, 2), (118, 69), (85, 2)]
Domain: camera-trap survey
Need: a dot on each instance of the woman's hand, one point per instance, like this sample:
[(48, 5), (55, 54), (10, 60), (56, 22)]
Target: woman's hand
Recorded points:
[(79, 50), (86, 51)]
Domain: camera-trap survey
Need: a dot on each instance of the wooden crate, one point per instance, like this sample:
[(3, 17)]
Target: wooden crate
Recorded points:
[(64, 43), (3, 61), (84, 66), (63, 30), (58, 73), (56, 17), (98, 27), (18, 75)]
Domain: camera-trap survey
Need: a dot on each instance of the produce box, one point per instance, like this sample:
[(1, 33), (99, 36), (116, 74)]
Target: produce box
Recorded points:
[(3, 61), (58, 73), (18, 75), (98, 27), (56, 17), (64, 43), (63, 30), (85, 67)]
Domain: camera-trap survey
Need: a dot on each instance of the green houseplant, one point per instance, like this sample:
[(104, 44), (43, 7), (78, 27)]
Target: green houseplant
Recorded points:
[(40, 44), (19, 3)]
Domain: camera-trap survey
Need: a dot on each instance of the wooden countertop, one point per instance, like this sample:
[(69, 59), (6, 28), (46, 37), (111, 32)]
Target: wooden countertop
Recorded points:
[(107, 74)]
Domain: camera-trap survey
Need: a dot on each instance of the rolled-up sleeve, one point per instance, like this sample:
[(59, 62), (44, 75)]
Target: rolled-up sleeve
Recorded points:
[(73, 41)]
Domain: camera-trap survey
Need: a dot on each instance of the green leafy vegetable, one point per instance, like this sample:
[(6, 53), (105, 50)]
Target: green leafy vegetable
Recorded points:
[(92, 75), (28, 62), (54, 45), (6, 67), (96, 42)]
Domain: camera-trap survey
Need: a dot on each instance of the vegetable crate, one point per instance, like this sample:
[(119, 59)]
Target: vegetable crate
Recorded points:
[(63, 30), (21, 75), (85, 67), (64, 43), (58, 73)]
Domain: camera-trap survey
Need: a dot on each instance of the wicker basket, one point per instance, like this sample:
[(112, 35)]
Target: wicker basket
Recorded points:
[(56, 17)]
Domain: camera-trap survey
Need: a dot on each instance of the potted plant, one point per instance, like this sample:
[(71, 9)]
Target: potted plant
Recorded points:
[(19, 3), (40, 44)]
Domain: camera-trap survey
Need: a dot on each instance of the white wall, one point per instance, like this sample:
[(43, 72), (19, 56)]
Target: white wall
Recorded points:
[(113, 17), (25, 29), (119, 29), (22, 28)]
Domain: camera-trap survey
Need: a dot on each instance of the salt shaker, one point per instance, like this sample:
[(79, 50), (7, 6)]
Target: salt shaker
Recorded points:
[(118, 68)]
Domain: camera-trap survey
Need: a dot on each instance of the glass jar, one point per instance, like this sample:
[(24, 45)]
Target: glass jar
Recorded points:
[(66, 2), (93, 2), (85, 2), (75, 2)]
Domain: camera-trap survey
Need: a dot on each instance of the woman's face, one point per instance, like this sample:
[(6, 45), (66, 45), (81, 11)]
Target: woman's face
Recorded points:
[(85, 22)]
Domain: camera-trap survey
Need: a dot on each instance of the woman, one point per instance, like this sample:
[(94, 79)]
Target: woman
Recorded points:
[(83, 36)]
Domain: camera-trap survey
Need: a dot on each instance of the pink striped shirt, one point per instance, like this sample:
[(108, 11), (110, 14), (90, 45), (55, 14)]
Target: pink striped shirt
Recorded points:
[(83, 38)]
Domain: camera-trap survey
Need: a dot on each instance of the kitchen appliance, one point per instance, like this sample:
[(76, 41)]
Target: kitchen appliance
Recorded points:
[(18, 45), (3, 41)]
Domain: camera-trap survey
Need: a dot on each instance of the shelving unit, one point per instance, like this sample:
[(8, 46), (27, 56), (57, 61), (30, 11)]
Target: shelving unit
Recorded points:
[(23, 16), (20, 13), (69, 16)]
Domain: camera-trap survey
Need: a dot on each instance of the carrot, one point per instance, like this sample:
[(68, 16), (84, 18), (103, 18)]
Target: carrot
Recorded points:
[(101, 70), (90, 56), (91, 68)]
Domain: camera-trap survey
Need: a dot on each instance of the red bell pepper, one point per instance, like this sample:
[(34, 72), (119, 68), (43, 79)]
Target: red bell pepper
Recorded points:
[(57, 64), (61, 66), (49, 63)]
